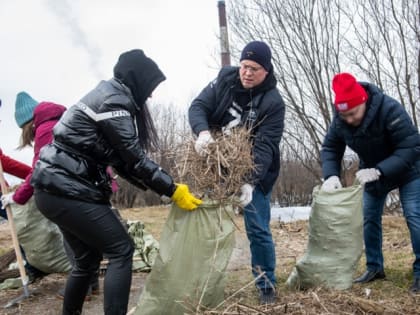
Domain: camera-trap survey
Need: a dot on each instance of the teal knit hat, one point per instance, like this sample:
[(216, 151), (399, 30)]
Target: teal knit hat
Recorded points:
[(24, 108)]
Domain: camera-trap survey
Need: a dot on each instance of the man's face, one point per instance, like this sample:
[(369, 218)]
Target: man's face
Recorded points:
[(354, 116), (251, 74)]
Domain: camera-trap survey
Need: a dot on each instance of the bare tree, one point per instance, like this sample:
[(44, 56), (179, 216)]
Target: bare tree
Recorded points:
[(386, 47), (306, 50), (172, 126), (311, 41)]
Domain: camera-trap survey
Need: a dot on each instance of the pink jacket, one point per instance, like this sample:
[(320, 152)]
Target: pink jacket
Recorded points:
[(46, 115)]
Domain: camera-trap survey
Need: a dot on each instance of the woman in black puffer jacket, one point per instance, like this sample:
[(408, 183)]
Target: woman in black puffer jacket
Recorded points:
[(111, 125)]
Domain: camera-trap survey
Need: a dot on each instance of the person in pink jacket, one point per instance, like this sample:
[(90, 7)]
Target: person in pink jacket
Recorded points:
[(36, 121)]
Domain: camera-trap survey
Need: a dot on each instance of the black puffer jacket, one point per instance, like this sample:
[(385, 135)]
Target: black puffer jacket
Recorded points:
[(99, 131), (262, 106), (386, 140)]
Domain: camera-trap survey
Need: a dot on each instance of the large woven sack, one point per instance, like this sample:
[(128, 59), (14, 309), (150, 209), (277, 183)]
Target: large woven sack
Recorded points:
[(189, 271), (335, 240), (40, 238)]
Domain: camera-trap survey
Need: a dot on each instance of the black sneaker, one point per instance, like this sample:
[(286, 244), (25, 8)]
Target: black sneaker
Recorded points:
[(415, 287), (94, 287), (369, 276), (60, 293), (35, 275), (268, 296)]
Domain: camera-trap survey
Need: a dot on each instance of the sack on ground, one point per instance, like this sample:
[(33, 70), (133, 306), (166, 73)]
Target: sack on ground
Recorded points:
[(146, 247), (195, 249), (40, 238), (335, 240)]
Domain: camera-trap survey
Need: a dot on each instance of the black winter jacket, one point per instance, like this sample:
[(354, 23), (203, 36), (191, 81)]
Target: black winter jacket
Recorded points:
[(386, 139), (262, 106), (98, 131)]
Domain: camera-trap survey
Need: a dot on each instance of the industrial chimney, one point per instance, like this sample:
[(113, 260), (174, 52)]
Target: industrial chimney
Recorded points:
[(224, 39)]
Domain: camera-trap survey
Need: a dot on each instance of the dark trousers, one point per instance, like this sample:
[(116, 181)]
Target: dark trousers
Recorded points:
[(94, 281), (373, 207), (92, 230)]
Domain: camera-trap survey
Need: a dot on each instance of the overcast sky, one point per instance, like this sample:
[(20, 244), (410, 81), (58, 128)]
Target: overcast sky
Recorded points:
[(58, 50)]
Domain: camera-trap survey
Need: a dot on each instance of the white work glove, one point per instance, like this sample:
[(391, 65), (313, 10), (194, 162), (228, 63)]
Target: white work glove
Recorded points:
[(367, 175), (7, 200), (331, 184), (246, 194), (202, 142)]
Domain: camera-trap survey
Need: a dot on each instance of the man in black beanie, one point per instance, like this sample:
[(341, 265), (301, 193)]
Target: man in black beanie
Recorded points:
[(247, 96)]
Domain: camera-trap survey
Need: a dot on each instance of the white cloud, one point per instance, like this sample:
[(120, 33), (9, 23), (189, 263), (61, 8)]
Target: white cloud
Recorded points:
[(58, 50)]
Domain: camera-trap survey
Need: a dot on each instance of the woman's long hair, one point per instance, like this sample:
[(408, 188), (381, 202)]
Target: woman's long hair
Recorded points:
[(148, 136), (28, 135)]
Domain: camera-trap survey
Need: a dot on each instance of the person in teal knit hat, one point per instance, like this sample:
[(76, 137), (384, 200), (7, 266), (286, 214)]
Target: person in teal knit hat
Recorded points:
[(36, 120)]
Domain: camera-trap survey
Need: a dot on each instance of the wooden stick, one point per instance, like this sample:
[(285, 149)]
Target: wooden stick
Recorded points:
[(15, 241)]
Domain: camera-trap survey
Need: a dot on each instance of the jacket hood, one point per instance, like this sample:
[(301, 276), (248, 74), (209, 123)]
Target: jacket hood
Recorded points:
[(140, 73), (46, 111)]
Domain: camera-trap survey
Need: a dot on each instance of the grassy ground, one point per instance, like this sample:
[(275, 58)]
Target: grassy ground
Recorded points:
[(389, 296)]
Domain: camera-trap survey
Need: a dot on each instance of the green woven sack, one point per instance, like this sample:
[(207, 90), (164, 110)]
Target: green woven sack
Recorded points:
[(40, 238), (335, 240), (189, 271), (146, 248)]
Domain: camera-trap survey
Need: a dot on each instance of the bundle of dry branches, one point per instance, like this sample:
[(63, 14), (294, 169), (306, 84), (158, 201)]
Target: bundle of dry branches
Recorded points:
[(221, 173)]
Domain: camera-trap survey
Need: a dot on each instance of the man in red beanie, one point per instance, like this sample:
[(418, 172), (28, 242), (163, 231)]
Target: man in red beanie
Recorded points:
[(247, 96), (381, 132)]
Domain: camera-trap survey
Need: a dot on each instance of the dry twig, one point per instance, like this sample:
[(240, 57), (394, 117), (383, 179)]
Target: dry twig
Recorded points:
[(219, 175)]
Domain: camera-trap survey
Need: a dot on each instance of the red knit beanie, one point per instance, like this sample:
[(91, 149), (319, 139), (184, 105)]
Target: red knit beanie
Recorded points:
[(348, 93)]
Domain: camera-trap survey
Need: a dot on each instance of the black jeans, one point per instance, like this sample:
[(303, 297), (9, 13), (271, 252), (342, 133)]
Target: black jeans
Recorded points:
[(92, 230), (94, 281)]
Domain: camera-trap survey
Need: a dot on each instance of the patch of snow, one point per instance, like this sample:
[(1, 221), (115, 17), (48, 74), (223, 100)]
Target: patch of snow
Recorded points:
[(289, 214)]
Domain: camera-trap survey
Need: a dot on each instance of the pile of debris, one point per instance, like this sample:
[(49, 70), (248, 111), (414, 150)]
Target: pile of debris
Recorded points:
[(220, 174)]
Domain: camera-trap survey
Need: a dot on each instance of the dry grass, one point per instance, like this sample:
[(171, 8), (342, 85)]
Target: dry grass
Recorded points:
[(152, 217), (380, 297), (389, 296), (221, 173)]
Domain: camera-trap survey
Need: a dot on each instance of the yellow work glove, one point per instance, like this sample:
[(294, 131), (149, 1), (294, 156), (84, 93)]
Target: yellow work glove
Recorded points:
[(184, 199)]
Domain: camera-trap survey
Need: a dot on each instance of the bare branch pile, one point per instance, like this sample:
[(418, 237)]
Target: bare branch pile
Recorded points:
[(221, 173)]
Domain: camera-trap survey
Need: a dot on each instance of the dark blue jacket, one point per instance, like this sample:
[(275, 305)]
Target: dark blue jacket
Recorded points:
[(262, 106), (386, 139)]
